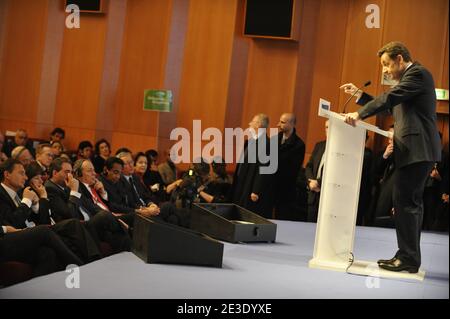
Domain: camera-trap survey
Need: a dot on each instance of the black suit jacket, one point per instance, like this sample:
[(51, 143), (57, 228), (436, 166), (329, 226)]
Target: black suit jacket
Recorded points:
[(117, 197), (87, 202), (312, 168), (248, 179), (15, 216), (290, 159), (63, 205), (413, 103)]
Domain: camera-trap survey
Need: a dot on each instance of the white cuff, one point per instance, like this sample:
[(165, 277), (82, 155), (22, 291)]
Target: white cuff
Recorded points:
[(76, 194), (5, 230), (27, 202)]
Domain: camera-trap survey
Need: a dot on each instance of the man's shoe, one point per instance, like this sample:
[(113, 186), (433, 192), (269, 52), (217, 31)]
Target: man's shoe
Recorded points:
[(386, 261), (399, 265)]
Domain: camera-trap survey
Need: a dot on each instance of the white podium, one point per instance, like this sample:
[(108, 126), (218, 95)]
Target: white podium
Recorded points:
[(335, 234)]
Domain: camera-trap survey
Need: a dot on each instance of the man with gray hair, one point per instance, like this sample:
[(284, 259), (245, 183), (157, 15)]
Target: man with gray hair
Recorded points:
[(251, 189)]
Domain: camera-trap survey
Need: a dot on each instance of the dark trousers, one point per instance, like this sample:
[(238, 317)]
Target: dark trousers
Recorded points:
[(38, 246), (409, 185), (286, 209)]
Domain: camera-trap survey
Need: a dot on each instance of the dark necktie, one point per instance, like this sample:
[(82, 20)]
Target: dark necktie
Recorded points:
[(136, 194)]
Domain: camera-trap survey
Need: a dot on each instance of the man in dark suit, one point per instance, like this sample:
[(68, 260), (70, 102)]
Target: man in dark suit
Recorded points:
[(313, 172), (38, 246), (416, 144), (291, 152), (66, 202), (32, 208), (252, 189), (94, 201)]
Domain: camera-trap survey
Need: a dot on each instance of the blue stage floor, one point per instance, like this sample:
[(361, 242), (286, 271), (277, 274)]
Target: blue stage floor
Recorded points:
[(254, 271)]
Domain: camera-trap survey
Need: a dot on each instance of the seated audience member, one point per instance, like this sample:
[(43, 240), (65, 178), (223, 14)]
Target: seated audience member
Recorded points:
[(85, 150), (123, 150), (33, 208), (44, 157), (38, 246), (94, 200), (168, 170), (102, 152), (3, 156), (218, 187), (64, 196), (152, 177), (57, 149), (158, 189), (23, 155), (20, 139), (57, 135), (118, 200), (138, 196)]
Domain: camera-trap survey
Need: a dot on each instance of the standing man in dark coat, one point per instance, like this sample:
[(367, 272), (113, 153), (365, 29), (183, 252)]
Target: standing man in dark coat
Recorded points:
[(416, 145), (291, 152), (251, 189), (313, 173)]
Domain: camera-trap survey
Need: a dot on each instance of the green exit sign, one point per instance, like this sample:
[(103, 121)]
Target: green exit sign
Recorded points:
[(442, 94), (158, 100)]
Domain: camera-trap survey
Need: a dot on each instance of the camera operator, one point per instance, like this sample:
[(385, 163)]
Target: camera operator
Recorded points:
[(218, 186)]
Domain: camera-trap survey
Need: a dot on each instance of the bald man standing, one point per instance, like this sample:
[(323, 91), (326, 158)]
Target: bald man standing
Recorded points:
[(291, 152)]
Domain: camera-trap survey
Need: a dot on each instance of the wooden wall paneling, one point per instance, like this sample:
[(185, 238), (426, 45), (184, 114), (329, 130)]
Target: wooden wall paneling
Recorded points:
[(327, 66), (309, 17), (80, 76), (271, 76), (361, 63), (3, 24), (173, 71), (23, 48), (206, 65), (50, 68), (142, 64), (207, 60), (116, 11)]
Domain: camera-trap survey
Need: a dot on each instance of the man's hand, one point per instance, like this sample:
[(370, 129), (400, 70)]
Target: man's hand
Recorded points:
[(351, 118), (10, 229), (72, 183), (40, 191), (28, 193), (254, 197), (351, 89), (388, 151), (435, 174), (152, 210), (313, 185), (445, 198), (99, 187)]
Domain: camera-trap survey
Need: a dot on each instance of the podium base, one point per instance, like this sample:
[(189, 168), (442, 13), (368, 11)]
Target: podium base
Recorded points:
[(365, 268)]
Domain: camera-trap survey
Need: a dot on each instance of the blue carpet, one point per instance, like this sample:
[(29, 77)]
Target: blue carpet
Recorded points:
[(254, 271)]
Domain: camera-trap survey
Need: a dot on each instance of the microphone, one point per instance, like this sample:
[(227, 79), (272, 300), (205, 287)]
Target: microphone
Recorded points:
[(357, 89)]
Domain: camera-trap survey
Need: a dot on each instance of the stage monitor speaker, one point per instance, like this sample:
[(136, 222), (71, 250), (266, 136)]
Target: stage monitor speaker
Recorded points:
[(277, 19), (160, 242), (93, 6)]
